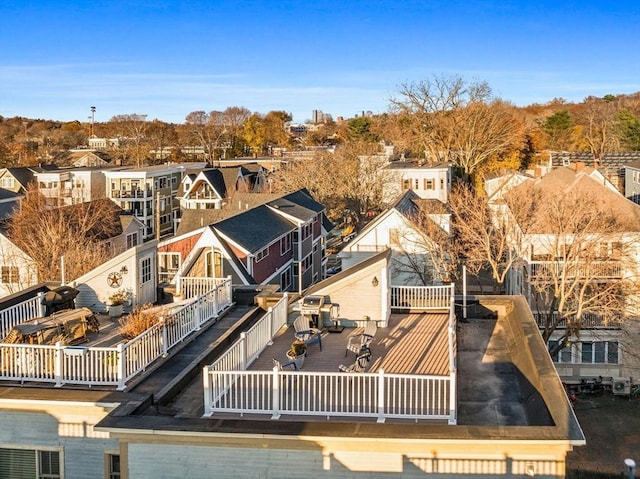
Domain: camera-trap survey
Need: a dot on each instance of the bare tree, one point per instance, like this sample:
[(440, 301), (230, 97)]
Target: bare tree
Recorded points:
[(583, 265), (489, 239), (132, 128), (458, 122), (78, 233)]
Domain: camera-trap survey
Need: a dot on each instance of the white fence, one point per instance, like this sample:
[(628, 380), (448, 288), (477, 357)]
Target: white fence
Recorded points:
[(191, 286), (422, 298), (230, 388), (61, 364), (19, 313), (378, 395)]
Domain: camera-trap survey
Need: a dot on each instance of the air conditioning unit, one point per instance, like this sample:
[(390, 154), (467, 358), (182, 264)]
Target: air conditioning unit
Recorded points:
[(622, 387)]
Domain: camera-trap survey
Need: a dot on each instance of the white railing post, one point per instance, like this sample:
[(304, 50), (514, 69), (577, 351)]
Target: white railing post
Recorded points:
[(42, 310), (164, 339), (272, 325), (381, 395), (206, 384), (453, 414), (178, 285), (121, 360), (58, 368), (275, 393), (243, 350), (198, 312)]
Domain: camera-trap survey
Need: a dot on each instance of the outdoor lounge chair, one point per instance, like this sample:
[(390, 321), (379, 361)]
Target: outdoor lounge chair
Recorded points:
[(360, 364), (361, 341), (306, 333)]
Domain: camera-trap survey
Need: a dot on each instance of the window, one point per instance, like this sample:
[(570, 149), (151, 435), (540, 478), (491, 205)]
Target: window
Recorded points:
[(417, 184), (562, 356), (132, 240), (442, 183), (285, 280), (406, 184), (29, 464), (7, 182), (213, 264), (10, 274), (262, 254), (145, 270), (113, 465), (429, 184), (168, 263), (599, 352), (285, 244)]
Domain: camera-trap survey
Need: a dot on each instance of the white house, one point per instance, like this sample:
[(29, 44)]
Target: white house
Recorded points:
[(428, 180), (407, 229)]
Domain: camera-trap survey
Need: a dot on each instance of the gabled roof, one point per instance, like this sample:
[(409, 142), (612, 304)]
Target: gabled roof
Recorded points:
[(238, 265), (607, 160), (193, 219), (299, 205), (564, 180), (23, 174), (254, 229)]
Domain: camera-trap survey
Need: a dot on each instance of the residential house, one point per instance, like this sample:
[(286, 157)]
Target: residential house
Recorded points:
[(104, 143), (149, 193), (412, 228), (70, 186), (211, 188), (601, 346), (278, 240), (16, 179), (405, 415), (428, 180), (632, 181), (611, 165)]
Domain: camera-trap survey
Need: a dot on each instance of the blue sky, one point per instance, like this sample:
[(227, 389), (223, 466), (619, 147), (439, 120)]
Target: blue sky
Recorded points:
[(168, 58)]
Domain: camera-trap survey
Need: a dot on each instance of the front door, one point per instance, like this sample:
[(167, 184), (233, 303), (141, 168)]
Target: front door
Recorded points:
[(146, 281)]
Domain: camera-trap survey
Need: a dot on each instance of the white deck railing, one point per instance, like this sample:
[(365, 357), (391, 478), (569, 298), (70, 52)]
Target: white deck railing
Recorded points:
[(593, 269), (230, 388), (21, 312), (422, 298), (190, 286), (588, 320), (115, 366), (376, 395)]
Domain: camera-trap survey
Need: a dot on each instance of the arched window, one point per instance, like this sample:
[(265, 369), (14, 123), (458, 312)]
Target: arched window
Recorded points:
[(213, 264)]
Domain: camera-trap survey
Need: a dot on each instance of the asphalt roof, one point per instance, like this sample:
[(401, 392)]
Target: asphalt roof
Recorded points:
[(255, 228)]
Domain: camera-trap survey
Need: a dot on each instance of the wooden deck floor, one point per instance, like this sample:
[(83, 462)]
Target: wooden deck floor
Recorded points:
[(412, 344)]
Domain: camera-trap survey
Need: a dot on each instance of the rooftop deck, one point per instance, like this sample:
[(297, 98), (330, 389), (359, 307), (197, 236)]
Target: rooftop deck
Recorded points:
[(411, 344)]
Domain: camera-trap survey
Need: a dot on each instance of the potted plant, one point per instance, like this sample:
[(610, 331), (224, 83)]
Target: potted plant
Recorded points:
[(297, 352), (116, 302)]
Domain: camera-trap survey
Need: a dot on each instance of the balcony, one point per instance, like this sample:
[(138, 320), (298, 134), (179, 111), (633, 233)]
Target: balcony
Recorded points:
[(128, 194), (590, 270), (587, 321)]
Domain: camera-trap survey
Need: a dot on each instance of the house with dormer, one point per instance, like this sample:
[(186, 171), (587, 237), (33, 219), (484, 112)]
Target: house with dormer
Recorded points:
[(210, 188), (279, 241)]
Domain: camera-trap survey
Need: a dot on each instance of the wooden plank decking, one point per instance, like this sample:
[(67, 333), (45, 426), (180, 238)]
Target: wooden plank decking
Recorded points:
[(413, 343)]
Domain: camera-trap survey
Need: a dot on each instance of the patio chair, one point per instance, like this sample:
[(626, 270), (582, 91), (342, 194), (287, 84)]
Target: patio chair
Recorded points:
[(363, 340), (306, 333), (360, 364), (288, 365)]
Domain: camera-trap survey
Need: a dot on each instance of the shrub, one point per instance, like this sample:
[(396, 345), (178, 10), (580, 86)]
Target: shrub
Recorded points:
[(138, 321)]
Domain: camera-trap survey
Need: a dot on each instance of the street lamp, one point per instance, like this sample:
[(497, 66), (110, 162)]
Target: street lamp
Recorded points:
[(93, 113), (631, 467)]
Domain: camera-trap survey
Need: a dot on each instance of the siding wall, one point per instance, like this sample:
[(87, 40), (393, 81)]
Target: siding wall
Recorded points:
[(67, 428)]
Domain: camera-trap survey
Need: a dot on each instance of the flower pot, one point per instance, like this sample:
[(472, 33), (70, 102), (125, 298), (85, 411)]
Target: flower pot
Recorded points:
[(115, 310), (298, 360)]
